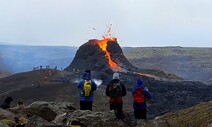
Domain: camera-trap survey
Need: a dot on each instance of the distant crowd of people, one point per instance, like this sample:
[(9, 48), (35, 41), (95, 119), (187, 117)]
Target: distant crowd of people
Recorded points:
[(47, 67)]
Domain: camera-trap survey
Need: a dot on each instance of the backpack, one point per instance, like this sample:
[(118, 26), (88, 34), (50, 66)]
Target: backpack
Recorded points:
[(138, 96), (87, 88), (115, 92)]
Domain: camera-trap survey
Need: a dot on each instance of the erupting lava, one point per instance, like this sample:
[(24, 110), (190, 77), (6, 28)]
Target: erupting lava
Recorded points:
[(103, 45)]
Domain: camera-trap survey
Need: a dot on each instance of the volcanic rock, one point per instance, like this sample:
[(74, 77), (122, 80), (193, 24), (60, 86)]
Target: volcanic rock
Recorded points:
[(5, 114), (196, 116), (87, 56), (3, 125), (66, 117), (90, 56)]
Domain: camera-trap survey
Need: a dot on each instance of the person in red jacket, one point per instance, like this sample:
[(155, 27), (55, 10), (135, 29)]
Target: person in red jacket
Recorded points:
[(140, 95)]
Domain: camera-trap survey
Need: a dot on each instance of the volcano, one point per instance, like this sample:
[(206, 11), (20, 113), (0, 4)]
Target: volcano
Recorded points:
[(104, 57), (101, 55)]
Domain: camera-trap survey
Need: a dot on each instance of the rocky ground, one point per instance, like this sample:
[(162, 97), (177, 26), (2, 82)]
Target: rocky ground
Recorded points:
[(64, 114)]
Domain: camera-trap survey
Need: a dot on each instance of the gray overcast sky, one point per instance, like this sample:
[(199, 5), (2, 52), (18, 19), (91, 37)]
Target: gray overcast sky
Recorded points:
[(142, 23)]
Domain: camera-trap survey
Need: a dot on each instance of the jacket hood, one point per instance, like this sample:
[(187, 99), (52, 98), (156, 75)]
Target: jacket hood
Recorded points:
[(86, 76), (139, 83)]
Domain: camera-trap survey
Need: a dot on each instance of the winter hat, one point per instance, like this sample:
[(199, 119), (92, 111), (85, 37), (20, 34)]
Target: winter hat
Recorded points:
[(88, 71), (116, 75), (87, 75), (140, 82)]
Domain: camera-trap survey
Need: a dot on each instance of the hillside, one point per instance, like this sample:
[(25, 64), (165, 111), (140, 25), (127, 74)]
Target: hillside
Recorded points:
[(3, 74), (189, 63), (197, 116)]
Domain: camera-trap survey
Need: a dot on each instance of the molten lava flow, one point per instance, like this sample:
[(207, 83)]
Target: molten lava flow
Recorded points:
[(103, 45), (149, 75)]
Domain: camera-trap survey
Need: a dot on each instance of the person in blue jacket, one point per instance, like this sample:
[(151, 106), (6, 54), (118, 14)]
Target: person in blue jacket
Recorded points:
[(86, 88), (140, 95)]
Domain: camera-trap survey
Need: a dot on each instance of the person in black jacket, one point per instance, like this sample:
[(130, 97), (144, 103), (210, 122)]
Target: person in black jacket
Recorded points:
[(6, 103), (116, 90)]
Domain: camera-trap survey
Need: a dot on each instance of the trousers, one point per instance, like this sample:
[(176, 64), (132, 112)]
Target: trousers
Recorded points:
[(86, 105), (118, 109)]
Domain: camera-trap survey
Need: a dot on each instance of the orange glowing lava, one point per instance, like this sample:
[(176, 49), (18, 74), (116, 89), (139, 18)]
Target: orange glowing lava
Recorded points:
[(103, 45)]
